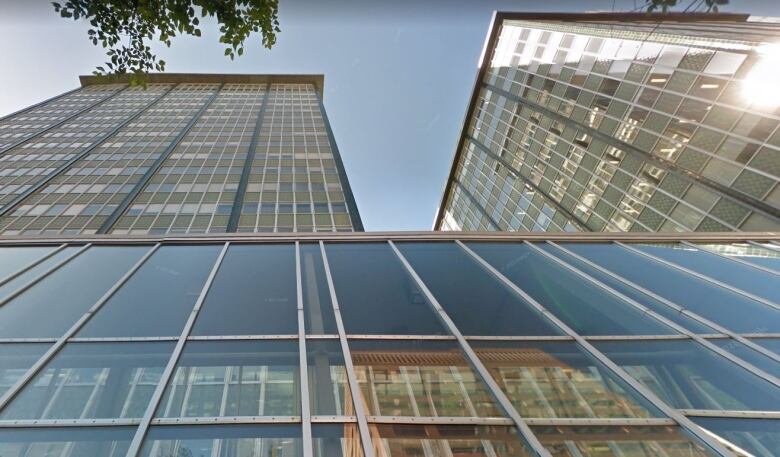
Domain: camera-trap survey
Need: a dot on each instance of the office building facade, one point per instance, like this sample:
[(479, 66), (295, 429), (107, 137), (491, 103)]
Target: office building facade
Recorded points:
[(620, 122), (185, 154)]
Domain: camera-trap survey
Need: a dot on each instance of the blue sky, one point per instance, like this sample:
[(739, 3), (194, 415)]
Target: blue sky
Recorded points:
[(398, 77)]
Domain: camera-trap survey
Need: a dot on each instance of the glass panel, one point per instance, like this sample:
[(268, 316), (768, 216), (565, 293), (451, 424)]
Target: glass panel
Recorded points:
[(66, 441), (707, 300), (396, 440), (253, 293), (583, 306), (93, 380), (50, 307), (773, 344), (419, 378), (556, 379), (734, 274), (334, 440), (166, 287), (13, 258), (749, 355), (329, 392), (689, 376), (224, 441), (620, 441), (234, 378), (475, 300), (319, 317), (765, 257), (376, 295), (16, 359), (758, 437), (19, 281)]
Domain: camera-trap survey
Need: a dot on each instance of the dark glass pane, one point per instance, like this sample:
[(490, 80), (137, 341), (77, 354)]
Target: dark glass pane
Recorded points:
[(253, 293), (93, 380), (558, 380), (399, 440), (621, 441), (419, 378), (759, 437), (773, 344), (16, 359), (19, 281), (166, 287), (336, 440), (734, 274), (765, 257), (316, 295), (53, 305), (686, 375), (707, 300), (583, 306), (13, 258), (224, 441), (749, 355), (234, 378), (329, 392), (669, 313), (66, 441), (376, 295), (475, 300)]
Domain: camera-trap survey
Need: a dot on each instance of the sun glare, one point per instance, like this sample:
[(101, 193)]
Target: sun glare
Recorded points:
[(761, 87)]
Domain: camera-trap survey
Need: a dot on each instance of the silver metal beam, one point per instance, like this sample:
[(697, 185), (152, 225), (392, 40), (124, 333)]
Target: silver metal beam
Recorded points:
[(32, 264), (303, 365), (733, 414), (731, 258)]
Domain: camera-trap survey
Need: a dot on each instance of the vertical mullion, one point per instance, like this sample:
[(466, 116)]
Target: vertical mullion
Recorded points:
[(670, 412), (730, 258), (32, 264), (302, 359), (473, 359), (357, 402), (135, 445)]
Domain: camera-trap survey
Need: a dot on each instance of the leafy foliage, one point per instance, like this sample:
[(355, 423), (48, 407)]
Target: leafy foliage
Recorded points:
[(709, 6), (124, 27)]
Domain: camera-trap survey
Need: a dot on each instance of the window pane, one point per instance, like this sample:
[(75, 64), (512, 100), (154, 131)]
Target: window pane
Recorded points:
[(749, 355), (19, 281), (66, 441), (707, 300), (316, 295), (334, 440), (760, 437), (476, 301), (584, 307), (688, 376), (234, 378), (618, 441), (93, 380), (77, 286), (419, 378), (557, 379), (773, 344), (224, 441), (398, 440), (765, 257), (166, 287), (329, 392), (376, 295), (253, 293), (14, 258), (16, 359)]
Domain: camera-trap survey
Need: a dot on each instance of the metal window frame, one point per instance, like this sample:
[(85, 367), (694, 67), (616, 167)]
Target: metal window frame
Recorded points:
[(731, 258), (32, 264), (303, 366)]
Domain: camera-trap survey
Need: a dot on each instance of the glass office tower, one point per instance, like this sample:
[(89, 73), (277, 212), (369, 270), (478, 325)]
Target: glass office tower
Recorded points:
[(185, 154), (621, 122)]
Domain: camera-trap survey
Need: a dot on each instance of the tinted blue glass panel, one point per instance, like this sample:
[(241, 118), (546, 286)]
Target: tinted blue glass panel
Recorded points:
[(584, 307), (336, 440), (16, 359), (14, 258), (224, 441), (686, 375), (376, 295), (773, 344), (764, 257), (329, 392), (66, 441), (53, 305), (760, 437), (710, 301), (319, 317), (749, 355), (24, 278), (475, 300), (252, 294), (166, 287)]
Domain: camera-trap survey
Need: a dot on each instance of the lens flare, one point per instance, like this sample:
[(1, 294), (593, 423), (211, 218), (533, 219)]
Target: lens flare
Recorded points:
[(761, 87)]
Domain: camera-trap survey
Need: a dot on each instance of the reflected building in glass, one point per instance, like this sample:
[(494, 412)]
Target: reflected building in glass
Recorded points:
[(620, 122)]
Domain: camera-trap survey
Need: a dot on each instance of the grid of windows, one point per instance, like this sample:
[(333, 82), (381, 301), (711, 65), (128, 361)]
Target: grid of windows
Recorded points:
[(405, 347)]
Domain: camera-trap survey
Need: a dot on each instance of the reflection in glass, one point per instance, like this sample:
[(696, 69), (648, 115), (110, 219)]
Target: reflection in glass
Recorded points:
[(329, 392), (16, 359), (319, 317), (234, 378), (93, 380), (749, 355), (396, 440), (166, 287), (620, 441), (419, 378), (336, 440), (223, 441), (252, 294), (586, 308), (66, 441), (688, 376), (375, 294), (557, 379), (24, 278), (13, 258), (765, 257), (759, 437)]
